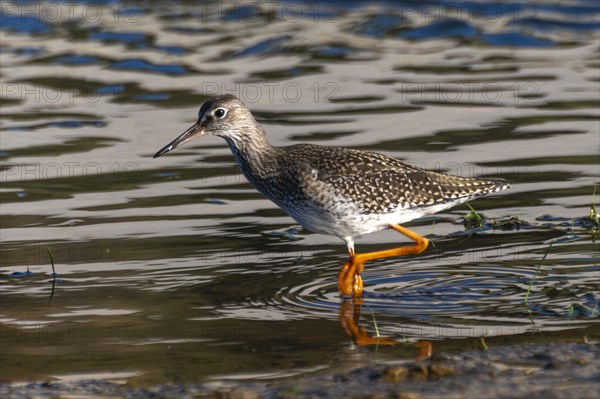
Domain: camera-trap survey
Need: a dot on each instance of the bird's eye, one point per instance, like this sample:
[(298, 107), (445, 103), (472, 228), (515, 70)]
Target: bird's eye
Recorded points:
[(220, 112)]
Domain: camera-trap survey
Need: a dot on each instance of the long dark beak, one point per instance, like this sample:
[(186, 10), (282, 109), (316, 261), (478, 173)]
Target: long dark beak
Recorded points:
[(193, 132)]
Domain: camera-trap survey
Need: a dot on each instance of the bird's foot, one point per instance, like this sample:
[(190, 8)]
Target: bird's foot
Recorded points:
[(357, 285), (349, 280)]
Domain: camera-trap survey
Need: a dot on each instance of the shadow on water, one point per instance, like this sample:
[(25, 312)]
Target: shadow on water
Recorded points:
[(176, 270)]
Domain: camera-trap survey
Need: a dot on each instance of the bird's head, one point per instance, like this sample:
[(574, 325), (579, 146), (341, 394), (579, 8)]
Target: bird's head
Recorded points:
[(225, 116)]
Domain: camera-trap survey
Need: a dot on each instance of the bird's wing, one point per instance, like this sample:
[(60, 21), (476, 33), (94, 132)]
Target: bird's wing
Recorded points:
[(377, 183)]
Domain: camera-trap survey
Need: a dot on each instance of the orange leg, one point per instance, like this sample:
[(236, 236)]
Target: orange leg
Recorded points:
[(349, 280)]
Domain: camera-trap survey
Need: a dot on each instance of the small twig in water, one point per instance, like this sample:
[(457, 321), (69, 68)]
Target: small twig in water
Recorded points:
[(431, 234), (375, 325), (526, 299), (594, 215), (53, 275), (51, 261)]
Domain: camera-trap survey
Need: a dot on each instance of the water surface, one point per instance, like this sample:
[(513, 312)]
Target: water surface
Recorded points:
[(176, 270)]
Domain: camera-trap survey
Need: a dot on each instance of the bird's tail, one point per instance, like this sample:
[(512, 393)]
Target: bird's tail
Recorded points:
[(464, 187)]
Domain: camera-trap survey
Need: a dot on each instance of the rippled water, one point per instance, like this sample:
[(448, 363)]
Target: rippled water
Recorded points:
[(176, 270)]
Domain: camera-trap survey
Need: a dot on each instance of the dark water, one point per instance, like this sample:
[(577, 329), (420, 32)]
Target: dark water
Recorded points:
[(177, 270)]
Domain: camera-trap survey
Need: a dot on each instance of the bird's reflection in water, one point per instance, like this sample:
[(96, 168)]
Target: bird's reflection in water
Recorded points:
[(350, 310)]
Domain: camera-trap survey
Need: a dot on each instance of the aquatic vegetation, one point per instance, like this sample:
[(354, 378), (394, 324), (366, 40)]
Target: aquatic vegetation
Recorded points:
[(472, 220)]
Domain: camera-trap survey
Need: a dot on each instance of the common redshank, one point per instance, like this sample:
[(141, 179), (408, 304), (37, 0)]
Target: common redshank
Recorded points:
[(334, 190)]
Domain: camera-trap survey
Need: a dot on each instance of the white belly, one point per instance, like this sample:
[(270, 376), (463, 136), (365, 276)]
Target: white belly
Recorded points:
[(346, 222)]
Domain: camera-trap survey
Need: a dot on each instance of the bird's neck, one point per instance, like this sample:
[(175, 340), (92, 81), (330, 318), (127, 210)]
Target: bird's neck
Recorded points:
[(256, 157)]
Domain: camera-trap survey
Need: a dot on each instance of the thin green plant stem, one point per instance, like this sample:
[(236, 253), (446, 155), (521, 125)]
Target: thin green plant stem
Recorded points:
[(375, 325), (51, 260), (484, 345), (53, 275), (537, 270), (474, 211), (594, 215)]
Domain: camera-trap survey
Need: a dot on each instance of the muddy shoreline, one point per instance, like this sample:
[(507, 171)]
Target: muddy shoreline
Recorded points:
[(547, 370)]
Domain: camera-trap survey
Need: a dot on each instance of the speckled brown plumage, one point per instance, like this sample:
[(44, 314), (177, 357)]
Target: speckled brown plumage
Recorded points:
[(378, 183)]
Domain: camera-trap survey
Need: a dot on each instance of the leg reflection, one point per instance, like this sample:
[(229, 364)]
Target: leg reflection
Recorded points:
[(350, 311)]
